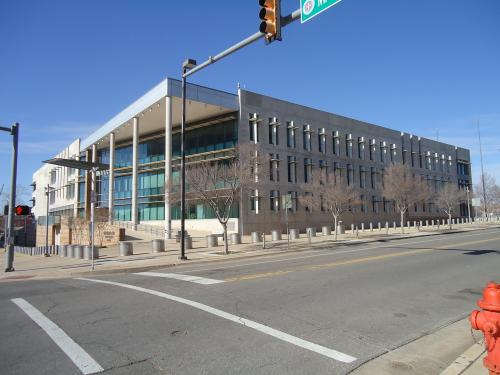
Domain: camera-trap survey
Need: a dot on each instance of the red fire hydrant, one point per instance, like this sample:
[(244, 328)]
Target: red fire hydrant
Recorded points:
[(488, 321)]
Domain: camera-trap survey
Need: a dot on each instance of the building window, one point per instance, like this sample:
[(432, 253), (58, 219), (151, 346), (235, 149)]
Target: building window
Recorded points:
[(348, 145), (70, 191), (428, 161), (274, 200), (53, 177), (322, 141), (363, 203), (442, 164), (274, 167), (307, 137), (323, 169), (383, 152), (373, 177), (336, 143), (273, 131), (448, 166), (254, 200), (337, 172), (374, 204), (293, 196), (292, 169), (307, 201), (350, 174), (393, 152), (52, 197), (253, 127), (307, 170), (436, 162), (290, 134), (361, 148), (373, 149), (362, 177)]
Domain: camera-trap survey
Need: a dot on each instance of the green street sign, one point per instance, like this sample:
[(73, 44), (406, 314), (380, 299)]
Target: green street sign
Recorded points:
[(311, 8)]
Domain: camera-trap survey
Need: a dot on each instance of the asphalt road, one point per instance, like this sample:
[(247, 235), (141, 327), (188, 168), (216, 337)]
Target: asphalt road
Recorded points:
[(321, 311)]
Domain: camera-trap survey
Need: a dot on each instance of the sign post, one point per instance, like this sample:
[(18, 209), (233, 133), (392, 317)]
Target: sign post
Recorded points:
[(311, 8)]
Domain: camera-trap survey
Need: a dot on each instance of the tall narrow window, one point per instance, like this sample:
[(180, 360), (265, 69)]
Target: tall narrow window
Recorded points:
[(363, 203), (274, 200), (273, 131), (362, 177), (254, 200), (274, 167), (448, 166), (307, 200), (428, 161), (337, 172), (350, 174), (442, 164), (322, 140), (307, 137), (393, 152), (293, 196), (373, 149), (348, 145), (290, 134), (323, 168), (292, 169), (373, 177), (383, 152), (253, 127), (336, 143), (361, 148), (307, 170), (374, 204), (436, 162)]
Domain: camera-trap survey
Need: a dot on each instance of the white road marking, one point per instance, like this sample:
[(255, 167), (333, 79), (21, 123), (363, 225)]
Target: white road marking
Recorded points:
[(330, 353), (75, 352), (327, 252), (178, 276)]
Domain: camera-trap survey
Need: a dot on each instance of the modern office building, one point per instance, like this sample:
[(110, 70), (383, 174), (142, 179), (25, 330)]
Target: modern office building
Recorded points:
[(142, 143)]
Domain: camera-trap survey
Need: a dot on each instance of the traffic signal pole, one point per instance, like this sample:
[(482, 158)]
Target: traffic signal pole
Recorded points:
[(9, 253), (189, 67)]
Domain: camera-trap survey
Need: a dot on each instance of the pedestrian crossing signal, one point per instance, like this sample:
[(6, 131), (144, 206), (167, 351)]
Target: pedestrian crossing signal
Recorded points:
[(22, 210)]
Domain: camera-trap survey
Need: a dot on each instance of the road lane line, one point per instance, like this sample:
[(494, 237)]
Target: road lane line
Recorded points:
[(75, 352), (178, 276), (330, 353), (327, 252), (348, 261)]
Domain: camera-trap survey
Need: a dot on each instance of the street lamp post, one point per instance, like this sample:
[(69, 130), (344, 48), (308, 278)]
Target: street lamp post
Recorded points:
[(47, 193), (9, 253), (186, 65)]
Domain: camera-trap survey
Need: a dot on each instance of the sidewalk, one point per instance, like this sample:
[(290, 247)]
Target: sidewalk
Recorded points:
[(448, 350), (39, 267)]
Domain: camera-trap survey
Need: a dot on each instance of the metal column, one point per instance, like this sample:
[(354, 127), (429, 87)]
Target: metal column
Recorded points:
[(135, 155), (111, 179), (168, 165)]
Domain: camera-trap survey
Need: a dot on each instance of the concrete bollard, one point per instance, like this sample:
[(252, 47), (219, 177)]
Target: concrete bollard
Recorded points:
[(294, 234), (125, 249), (78, 252), (256, 237), (87, 252), (311, 232), (352, 228), (63, 251), (379, 226), (276, 235), (362, 227), (212, 240), (188, 242), (426, 223), (69, 251), (158, 246), (340, 228), (394, 225), (235, 238), (326, 230), (408, 224), (371, 226)]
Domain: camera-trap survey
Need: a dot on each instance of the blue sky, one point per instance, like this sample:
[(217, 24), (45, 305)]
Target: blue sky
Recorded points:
[(424, 67)]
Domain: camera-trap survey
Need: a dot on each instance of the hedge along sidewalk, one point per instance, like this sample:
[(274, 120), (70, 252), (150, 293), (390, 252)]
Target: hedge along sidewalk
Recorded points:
[(29, 267)]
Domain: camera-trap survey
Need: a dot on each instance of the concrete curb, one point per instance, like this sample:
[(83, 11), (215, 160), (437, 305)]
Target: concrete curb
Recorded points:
[(465, 360)]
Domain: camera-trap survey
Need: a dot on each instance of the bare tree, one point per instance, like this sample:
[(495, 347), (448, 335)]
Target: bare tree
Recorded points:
[(218, 183), (331, 195), (448, 198), (490, 198), (403, 188)]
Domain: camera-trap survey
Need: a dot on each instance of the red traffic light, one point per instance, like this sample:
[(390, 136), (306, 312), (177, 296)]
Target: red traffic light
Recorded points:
[(22, 210)]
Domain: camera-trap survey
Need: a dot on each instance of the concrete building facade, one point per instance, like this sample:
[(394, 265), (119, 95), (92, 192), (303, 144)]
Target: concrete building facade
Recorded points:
[(142, 143)]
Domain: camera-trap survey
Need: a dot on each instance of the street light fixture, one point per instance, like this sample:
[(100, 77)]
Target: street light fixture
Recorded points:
[(186, 66)]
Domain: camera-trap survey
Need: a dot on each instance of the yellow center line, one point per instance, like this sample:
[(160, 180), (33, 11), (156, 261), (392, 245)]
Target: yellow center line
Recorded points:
[(349, 261)]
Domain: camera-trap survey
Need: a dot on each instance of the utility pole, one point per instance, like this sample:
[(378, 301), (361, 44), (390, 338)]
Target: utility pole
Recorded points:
[(468, 202), (485, 206), (9, 253)]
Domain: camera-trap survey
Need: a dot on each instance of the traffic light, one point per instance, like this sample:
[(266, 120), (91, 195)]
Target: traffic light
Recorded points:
[(22, 210), (270, 14)]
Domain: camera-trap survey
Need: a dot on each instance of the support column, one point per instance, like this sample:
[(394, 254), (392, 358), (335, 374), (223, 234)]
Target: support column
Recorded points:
[(135, 153), (111, 177), (168, 165), (88, 157)]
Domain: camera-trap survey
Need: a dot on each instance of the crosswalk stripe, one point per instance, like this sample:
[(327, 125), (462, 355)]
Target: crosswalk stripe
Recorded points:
[(178, 276)]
